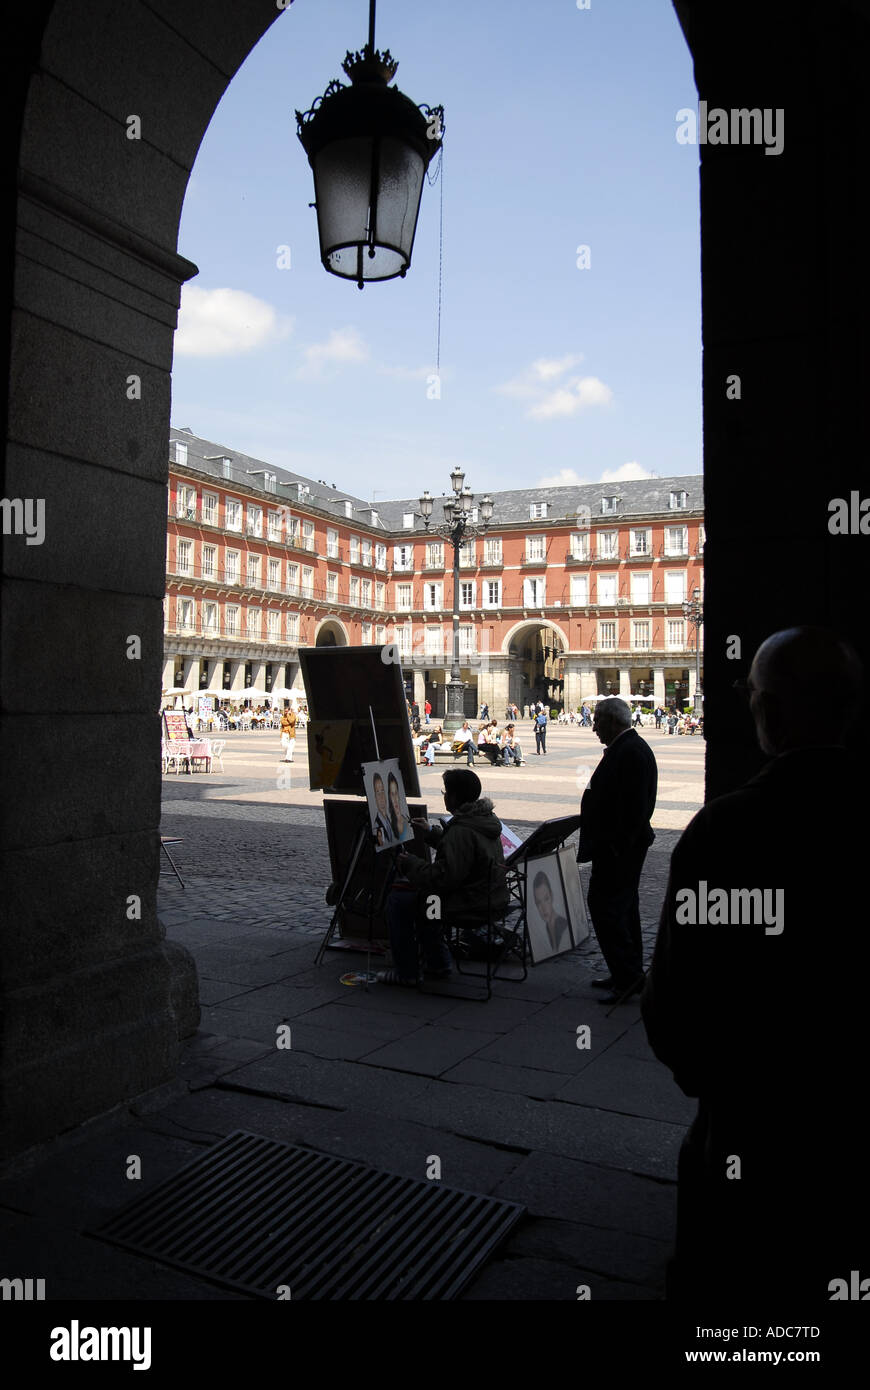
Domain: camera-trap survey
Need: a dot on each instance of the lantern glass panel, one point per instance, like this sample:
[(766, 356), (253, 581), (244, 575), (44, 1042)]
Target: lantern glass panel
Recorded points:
[(342, 174)]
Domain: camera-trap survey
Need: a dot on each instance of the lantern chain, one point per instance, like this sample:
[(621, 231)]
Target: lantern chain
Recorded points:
[(438, 177)]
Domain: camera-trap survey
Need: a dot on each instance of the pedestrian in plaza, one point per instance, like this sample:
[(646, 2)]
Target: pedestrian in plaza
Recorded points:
[(541, 722), (464, 738), (288, 733), (467, 875), (615, 834), (672, 721), (637, 718), (427, 710), (658, 716), (754, 1013), (484, 711)]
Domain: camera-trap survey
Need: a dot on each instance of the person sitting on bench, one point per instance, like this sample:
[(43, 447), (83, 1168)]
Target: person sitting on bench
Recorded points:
[(466, 881)]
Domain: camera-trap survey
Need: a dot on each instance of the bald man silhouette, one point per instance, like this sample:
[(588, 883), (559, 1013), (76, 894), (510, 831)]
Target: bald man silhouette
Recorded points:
[(757, 1006)]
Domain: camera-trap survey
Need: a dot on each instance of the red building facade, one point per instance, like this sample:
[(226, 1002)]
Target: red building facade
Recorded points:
[(570, 592)]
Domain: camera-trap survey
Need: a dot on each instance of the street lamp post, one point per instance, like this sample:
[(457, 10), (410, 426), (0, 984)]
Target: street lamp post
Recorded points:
[(456, 527), (694, 612)]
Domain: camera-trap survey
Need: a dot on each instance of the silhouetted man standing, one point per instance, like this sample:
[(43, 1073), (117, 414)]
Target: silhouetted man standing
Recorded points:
[(750, 1000), (615, 833)]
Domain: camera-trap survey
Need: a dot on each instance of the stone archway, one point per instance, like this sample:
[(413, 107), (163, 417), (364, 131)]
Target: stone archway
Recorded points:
[(95, 999), (331, 633), (535, 651)]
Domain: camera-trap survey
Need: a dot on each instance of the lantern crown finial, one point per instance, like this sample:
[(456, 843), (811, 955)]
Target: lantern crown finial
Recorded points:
[(370, 65)]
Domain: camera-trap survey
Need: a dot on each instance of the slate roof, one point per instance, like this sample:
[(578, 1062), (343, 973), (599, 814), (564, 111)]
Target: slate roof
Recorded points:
[(638, 497)]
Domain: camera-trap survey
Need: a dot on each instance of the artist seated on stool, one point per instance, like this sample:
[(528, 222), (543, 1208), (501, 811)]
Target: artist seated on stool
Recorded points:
[(466, 876)]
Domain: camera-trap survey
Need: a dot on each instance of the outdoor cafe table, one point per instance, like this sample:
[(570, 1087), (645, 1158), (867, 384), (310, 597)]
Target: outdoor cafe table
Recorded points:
[(188, 750)]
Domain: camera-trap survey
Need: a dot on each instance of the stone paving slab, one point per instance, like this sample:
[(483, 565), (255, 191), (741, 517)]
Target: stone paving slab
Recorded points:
[(546, 1281), (516, 1081), (570, 1190), (612, 1254), (431, 1050), (630, 1086)]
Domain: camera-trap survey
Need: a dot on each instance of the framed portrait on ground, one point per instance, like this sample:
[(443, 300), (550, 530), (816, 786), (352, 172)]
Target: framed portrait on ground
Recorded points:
[(546, 909), (388, 807), (574, 901)]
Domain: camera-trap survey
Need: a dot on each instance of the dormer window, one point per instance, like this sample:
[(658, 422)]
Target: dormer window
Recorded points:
[(609, 504), (678, 501), (537, 511)]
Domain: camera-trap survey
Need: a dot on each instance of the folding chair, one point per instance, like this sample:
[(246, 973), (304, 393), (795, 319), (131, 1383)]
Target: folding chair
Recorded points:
[(171, 840), (217, 749)]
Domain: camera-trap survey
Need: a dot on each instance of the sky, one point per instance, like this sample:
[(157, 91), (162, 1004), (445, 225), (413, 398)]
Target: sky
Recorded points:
[(560, 133)]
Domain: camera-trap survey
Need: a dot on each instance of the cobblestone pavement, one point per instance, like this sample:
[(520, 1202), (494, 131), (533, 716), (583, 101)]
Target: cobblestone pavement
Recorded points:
[(256, 851)]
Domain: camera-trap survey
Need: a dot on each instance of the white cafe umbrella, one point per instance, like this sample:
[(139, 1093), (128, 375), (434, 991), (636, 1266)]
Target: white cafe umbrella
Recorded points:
[(177, 690)]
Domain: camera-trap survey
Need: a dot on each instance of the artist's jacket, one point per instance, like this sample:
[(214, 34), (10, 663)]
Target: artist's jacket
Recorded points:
[(468, 872)]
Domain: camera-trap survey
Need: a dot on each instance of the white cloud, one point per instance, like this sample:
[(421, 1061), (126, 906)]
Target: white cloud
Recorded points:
[(572, 396), (626, 471), (343, 347), (569, 477), (551, 392), (225, 323)]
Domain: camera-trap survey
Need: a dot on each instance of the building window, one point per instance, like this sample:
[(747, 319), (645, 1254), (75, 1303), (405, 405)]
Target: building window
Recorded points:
[(640, 588), (608, 545), (253, 576), (232, 619), (380, 556), (676, 635), (403, 557), (354, 550), (607, 589), (403, 637), (254, 624), (467, 555), (408, 521), (307, 582), (273, 625), (492, 593), (292, 524), (676, 540), (466, 640), (609, 504), (403, 597), (331, 544), (293, 628), (537, 511), (180, 451), (293, 579), (273, 523), (255, 522), (580, 545), (185, 502), (185, 613), (227, 467), (466, 594), (433, 644), (366, 551), (433, 596), (675, 586), (184, 557), (209, 561), (331, 586), (702, 537), (366, 634), (233, 561), (354, 590), (678, 501), (492, 550), (641, 542), (210, 508), (435, 555), (348, 507), (607, 637), (233, 514), (580, 590), (308, 535), (380, 634), (275, 574), (210, 619), (640, 636), (380, 596), (536, 548), (365, 593), (533, 593)]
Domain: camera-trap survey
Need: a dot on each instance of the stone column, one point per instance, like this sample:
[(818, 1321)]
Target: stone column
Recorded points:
[(237, 676), (659, 685), (258, 675), (419, 690), (625, 682), (192, 667)]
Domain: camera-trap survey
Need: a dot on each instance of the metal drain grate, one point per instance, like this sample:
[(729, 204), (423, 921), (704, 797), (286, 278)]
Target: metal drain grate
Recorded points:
[(253, 1214)]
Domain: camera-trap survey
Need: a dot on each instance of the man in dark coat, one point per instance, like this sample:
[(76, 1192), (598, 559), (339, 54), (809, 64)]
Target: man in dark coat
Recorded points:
[(748, 1001), (615, 833), (465, 881)]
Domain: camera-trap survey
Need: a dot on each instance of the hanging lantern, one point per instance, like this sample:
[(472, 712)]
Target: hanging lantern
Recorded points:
[(369, 147)]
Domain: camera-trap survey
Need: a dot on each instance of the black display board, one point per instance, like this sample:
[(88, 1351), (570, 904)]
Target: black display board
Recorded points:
[(356, 683)]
